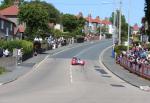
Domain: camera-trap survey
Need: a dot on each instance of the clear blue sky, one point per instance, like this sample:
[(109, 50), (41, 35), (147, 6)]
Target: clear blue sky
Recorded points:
[(97, 8)]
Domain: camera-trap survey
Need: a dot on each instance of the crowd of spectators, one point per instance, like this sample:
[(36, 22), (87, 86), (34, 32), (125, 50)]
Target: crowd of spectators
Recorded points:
[(52, 43), (138, 55)]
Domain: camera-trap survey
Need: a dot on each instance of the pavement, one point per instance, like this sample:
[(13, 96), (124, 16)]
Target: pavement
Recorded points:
[(121, 72)]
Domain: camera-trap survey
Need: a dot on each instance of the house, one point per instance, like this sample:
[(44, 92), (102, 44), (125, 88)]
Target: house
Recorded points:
[(11, 14), (94, 25), (58, 27), (7, 28), (107, 25), (136, 29)]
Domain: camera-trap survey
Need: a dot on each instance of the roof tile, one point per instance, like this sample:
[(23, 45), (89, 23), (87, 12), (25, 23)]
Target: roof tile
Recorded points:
[(12, 10)]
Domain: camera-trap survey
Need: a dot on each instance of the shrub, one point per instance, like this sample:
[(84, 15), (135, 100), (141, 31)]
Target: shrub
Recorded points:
[(119, 48), (108, 35), (26, 45)]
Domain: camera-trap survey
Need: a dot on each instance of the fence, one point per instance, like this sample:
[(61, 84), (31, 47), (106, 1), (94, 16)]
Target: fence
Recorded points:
[(142, 70)]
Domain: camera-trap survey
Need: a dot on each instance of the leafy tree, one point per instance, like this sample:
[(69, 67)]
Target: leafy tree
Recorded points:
[(53, 13), (81, 22), (124, 25), (73, 24), (147, 13), (36, 18), (69, 22), (7, 3)]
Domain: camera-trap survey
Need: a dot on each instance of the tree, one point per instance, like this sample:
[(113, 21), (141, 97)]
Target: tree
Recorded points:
[(81, 22), (147, 13), (53, 13), (124, 25), (7, 3), (69, 22), (36, 18)]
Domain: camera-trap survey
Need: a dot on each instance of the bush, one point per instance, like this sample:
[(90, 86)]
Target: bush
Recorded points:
[(26, 45), (119, 48), (80, 38), (2, 70), (108, 35)]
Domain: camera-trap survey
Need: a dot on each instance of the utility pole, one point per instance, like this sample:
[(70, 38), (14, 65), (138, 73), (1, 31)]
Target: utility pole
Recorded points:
[(114, 24), (129, 25), (114, 30), (120, 22)]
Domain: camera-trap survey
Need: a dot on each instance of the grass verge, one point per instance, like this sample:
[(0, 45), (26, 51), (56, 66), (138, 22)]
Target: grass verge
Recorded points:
[(2, 70)]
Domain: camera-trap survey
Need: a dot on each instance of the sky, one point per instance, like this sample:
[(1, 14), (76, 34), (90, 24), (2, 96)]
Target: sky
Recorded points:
[(101, 8)]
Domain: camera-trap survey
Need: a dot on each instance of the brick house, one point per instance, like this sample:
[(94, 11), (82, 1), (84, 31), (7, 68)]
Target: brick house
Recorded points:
[(11, 14), (94, 23), (7, 28)]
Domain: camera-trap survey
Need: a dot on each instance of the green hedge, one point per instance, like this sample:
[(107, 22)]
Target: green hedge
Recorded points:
[(108, 35), (119, 48), (26, 45)]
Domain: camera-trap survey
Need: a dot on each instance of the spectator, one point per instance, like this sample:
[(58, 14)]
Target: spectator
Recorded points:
[(6, 53)]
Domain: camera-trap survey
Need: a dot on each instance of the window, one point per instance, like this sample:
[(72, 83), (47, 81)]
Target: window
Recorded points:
[(11, 27), (7, 31), (2, 24)]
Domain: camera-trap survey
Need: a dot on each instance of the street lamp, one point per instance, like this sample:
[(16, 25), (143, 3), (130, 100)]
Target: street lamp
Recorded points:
[(129, 25), (120, 22)]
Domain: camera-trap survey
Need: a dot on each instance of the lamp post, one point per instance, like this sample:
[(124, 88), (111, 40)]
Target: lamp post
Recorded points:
[(129, 25), (120, 22)]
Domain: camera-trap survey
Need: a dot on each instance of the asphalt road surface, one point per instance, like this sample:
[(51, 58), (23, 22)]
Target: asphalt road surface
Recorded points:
[(54, 80)]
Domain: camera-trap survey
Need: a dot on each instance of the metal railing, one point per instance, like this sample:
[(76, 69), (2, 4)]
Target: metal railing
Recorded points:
[(142, 70)]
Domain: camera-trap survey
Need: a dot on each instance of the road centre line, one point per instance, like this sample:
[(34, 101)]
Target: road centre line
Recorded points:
[(70, 74)]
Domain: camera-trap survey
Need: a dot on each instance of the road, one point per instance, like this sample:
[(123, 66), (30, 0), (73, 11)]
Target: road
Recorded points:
[(54, 80)]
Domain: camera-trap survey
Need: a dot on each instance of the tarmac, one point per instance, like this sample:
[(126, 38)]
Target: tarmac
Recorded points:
[(17, 71)]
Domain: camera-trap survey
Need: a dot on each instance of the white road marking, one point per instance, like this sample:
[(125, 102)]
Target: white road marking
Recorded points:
[(1, 84), (101, 57), (70, 73), (145, 88), (103, 66)]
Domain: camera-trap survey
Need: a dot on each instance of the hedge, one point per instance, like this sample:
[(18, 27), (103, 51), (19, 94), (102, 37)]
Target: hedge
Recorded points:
[(119, 48), (26, 45)]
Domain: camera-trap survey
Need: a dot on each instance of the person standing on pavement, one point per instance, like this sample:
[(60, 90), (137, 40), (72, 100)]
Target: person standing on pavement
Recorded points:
[(6, 53)]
